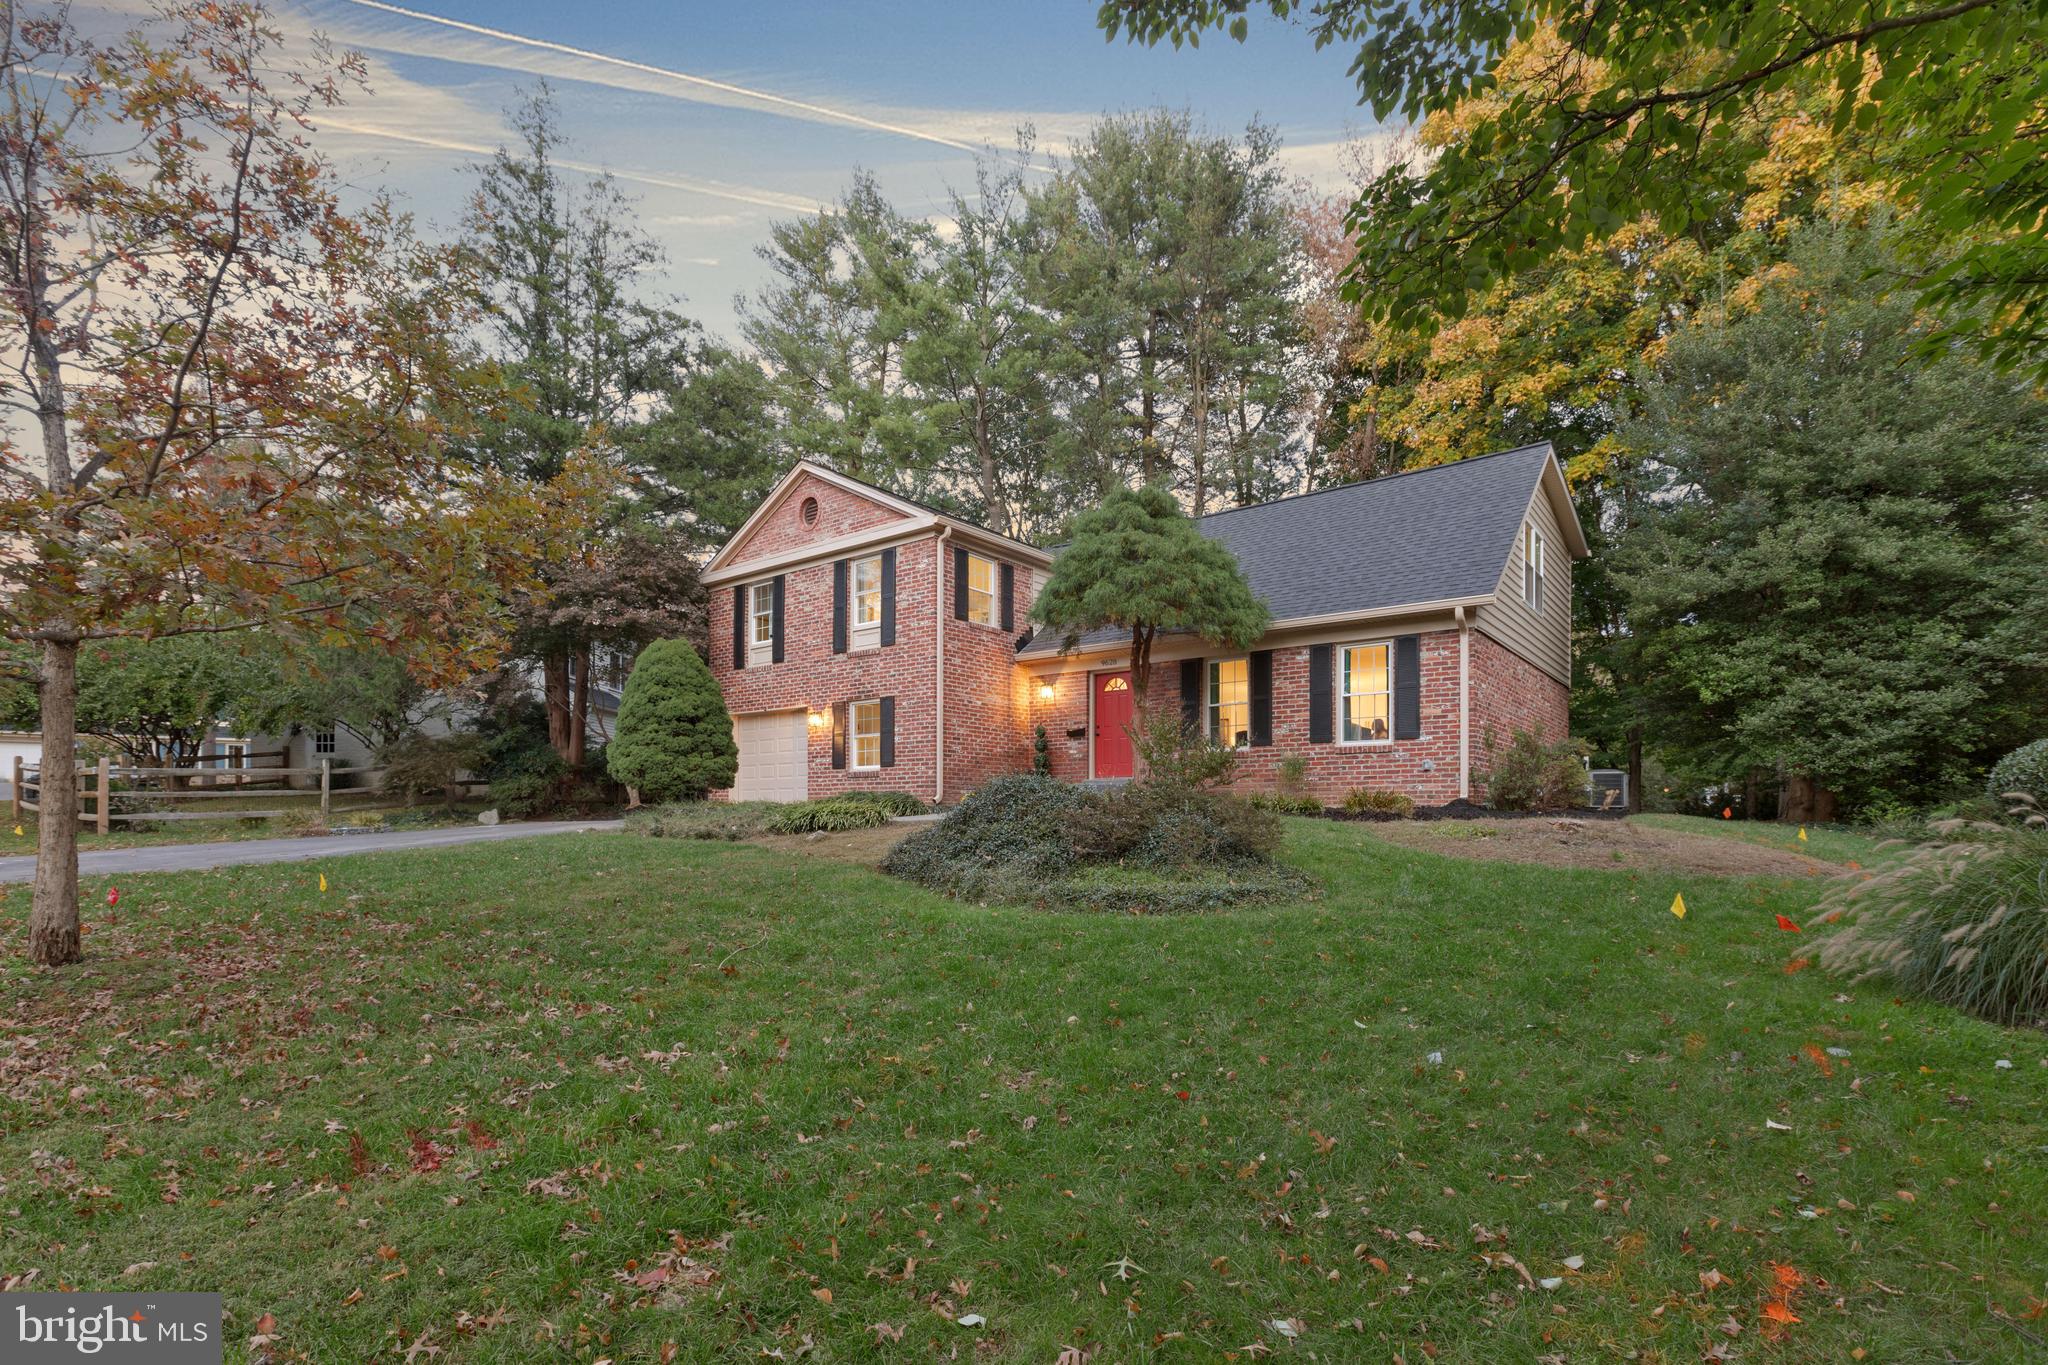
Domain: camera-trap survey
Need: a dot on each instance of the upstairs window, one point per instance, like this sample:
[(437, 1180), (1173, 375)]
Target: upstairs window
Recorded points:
[(981, 590), (1230, 706), (1532, 567), (761, 611), (867, 593)]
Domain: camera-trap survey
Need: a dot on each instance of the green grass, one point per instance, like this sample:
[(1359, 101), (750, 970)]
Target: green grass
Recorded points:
[(472, 1097), (1829, 843)]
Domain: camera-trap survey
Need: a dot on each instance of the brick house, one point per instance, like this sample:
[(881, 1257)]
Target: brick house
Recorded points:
[(868, 642)]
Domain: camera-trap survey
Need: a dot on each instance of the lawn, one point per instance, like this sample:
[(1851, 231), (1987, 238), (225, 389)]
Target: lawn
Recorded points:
[(583, 1097), (1830, 843)]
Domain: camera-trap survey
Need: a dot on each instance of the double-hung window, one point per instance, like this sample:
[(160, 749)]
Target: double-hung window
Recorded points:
[(981, 590), (761, 622), (867, 601), (1532, 566), (865, 721), (1366, 689), (1230, 707)]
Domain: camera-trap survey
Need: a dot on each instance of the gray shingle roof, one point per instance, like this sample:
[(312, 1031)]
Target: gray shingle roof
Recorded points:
[(1423, 536)]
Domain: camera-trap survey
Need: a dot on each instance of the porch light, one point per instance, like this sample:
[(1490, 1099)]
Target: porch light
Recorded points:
[(1045, 691), (817, 720)]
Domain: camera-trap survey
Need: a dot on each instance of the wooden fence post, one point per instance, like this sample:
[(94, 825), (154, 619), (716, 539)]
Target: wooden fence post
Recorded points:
[(106, 792), (326, 789), (17, 789)]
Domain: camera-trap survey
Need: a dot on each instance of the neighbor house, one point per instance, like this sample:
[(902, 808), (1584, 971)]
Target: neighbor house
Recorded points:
[(867, 642)]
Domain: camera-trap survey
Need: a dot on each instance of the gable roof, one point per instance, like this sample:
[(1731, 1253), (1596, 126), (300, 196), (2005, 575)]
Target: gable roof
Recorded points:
[(917, 516), (1434, 536)]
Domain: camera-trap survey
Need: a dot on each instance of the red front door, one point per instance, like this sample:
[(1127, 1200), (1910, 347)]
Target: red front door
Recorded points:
[(1112, 725)]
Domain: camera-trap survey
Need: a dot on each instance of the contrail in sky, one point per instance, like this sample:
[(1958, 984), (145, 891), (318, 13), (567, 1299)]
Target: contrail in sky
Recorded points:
[(769, 199), (704, 82)]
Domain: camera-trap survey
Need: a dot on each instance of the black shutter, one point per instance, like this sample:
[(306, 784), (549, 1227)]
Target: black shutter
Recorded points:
[(839, 568), (888, 732), (1408, 687), (1262, 698), (1321, 714), (889, 597), (739, 626), (1190, 696), (1009, 589), (839, 734), (775, 627), (959, 585)]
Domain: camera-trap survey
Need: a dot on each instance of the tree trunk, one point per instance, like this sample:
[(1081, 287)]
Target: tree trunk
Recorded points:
[(1635, 770), (1795, 799), (993, 510), (53, 917), (1749, 795), (579, 714), (555, 686), (1200, 432)]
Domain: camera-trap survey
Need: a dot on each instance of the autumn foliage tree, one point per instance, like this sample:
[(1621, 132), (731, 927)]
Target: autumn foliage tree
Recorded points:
[(232, 398)]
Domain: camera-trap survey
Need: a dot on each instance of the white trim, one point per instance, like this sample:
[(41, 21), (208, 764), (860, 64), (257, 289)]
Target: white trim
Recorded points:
[(719, 565), (1167, 645), (879, 537), (853, 763), (1210, 704), (995, 577), (1342, 698)]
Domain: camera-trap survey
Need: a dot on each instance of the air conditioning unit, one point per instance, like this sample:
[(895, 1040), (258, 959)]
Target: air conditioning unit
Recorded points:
[(1610, 788)]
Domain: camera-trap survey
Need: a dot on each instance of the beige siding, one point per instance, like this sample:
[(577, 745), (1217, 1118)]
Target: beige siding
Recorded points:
[(1543, 639)]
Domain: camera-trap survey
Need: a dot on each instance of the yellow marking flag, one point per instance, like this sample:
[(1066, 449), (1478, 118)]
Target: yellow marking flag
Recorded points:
[(1678, 905), (323, 881), (1802, 834), (17, 831)]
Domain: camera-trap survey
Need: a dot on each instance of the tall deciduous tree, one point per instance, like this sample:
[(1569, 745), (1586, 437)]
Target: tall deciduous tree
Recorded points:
[(1639, 114), (1138, 563), (1823, 583), (158, 701), (238, 397)]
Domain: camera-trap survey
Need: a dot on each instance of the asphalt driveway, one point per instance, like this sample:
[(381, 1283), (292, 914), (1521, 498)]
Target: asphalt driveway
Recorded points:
[(189, 857)]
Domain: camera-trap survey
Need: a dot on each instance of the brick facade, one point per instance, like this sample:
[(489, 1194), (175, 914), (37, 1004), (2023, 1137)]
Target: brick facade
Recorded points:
[(992, 703), (1426, 768), (983, 694)]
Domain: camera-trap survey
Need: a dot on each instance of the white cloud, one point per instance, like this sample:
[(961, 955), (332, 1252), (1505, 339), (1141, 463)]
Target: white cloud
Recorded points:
[(415, 33)]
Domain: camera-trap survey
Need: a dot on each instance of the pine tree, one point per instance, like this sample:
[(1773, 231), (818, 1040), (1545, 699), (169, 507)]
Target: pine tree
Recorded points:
[(1138, 562), (675, 739)]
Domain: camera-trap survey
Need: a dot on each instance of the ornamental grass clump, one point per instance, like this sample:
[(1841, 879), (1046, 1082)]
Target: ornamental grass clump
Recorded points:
[(1962, 918)]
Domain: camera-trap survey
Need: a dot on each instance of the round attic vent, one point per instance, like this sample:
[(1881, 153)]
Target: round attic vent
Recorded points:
[(809, 511)]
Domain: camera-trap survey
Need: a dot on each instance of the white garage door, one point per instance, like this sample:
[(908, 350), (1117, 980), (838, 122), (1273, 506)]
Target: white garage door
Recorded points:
[(772, 759)]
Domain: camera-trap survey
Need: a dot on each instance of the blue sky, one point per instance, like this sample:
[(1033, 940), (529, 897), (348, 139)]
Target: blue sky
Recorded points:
[(714, 167)]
